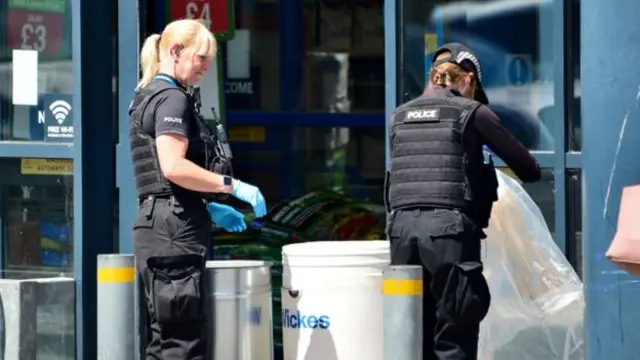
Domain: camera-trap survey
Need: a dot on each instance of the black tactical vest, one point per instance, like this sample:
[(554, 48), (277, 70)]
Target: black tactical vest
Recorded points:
[(429, 165), (204, 148)]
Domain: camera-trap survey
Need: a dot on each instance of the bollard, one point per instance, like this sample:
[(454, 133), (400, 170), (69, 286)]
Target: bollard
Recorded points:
[(402, 306), (239, 305), (116, 307), (20, 309), (37, 318)]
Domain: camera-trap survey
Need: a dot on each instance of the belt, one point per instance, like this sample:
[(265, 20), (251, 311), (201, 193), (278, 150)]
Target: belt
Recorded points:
[(168, 197), (424, 208)]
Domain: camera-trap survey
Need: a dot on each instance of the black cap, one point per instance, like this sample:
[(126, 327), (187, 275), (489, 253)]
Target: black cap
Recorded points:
[(463, 56)]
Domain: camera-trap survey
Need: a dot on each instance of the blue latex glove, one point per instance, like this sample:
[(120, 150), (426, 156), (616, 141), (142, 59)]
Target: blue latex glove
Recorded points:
[(252, 195), (227, 217)]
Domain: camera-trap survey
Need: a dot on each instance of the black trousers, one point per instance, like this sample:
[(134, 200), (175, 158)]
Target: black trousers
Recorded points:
[(170, 245), (456, 298)]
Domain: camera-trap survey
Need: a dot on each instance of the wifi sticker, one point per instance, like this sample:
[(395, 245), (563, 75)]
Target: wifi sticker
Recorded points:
[(57, 117), (60, 109)]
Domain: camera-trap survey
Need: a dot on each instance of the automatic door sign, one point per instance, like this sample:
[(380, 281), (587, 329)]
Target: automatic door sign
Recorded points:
[(30, 166)]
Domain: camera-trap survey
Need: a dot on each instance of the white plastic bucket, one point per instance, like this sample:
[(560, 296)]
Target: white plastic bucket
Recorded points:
[(332, 300)]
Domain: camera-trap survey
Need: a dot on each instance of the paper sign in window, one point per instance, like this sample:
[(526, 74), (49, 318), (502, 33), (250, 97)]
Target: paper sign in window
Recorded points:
[(25, 77)]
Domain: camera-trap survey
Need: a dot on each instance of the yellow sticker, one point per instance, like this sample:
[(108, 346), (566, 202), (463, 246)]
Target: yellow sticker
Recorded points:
[(31, 166), (248, 134), (430, 43)]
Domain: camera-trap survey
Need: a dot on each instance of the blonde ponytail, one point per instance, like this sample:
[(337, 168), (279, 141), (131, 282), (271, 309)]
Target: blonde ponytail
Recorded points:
[(149, 59), (450, 74), (194, 37), (441, 78)]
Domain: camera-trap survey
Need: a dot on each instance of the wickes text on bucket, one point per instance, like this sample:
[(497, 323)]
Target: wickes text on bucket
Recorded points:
[(296, 320)]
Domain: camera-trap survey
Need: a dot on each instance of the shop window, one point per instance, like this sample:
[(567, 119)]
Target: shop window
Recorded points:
[(344, 57), (350, 160), (252, 59), (37, 217), (336, 57), (574, 125), (514, 44), (336, 52), (36, 71)]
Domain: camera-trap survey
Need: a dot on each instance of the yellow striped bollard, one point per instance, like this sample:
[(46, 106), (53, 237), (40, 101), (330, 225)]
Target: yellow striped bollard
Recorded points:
[(117, 324), (402, 288)]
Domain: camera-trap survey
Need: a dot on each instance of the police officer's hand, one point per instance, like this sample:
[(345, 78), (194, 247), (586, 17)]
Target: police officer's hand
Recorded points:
[(227, 217), (252, 195)]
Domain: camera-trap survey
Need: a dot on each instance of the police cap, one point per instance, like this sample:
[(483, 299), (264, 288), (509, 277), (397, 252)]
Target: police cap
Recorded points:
[(466, 59)]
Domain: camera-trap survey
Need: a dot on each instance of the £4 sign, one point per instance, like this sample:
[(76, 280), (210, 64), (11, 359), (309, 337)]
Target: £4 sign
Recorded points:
[(214, 14)]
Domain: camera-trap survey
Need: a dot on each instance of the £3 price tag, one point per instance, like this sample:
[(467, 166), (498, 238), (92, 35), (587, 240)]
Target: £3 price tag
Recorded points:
[(35, 28)]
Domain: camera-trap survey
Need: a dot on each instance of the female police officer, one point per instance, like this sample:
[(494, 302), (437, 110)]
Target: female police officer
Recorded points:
[(175, 161), (440, 192)]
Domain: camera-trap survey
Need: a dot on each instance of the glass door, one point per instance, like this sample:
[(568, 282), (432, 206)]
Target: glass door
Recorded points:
[(513, 42)]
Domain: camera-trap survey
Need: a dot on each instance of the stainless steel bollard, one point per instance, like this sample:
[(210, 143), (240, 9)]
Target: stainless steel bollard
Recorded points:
[(402, 308), (116, 307), (239, 310)]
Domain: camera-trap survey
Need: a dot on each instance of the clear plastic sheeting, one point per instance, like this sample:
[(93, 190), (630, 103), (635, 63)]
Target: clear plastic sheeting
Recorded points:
[(537, 301)]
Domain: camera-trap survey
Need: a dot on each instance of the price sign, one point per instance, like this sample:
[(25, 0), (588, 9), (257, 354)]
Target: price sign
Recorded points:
[(36, 25), (217, 15)]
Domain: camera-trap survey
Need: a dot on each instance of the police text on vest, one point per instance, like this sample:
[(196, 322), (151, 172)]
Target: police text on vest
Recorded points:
[(172, 119), (422, 115)]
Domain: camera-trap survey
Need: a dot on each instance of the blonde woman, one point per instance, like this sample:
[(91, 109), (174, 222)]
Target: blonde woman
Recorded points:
[(440, 193), (178, 171)]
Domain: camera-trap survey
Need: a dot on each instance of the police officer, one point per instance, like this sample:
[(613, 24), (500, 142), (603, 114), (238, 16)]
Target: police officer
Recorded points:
[(439, 193), (180, 168)]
